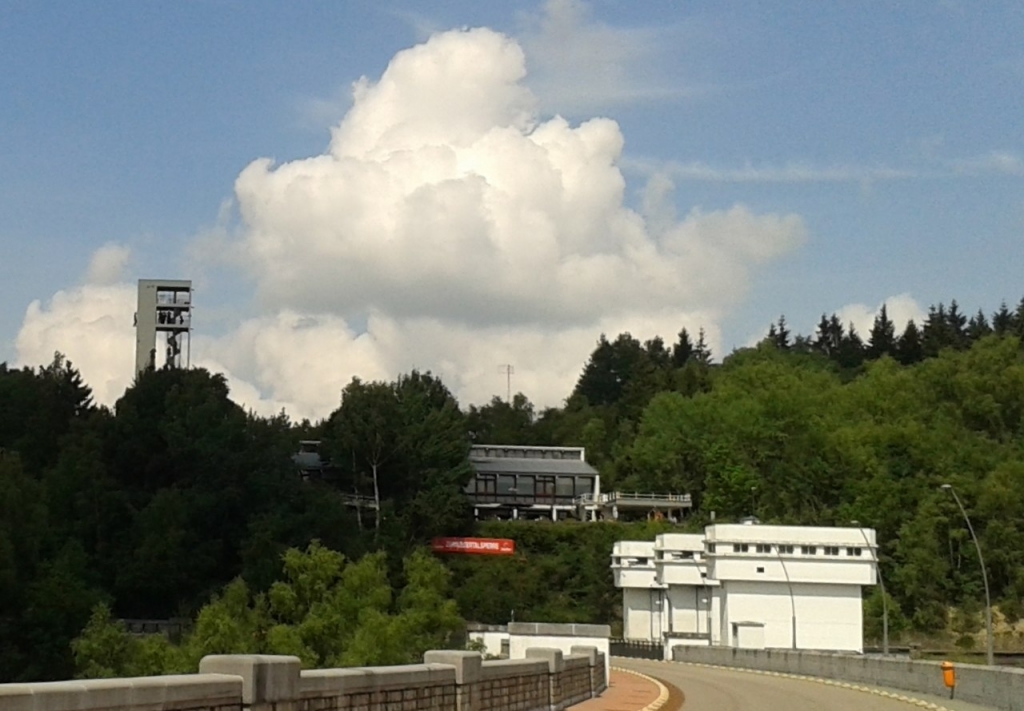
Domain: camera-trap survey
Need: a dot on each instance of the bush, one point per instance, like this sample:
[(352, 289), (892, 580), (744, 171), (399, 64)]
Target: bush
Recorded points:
[(965, 642)]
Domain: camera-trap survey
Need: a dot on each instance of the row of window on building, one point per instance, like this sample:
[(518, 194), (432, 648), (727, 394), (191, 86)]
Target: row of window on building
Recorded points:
[(519, 486), (783, 549), (763, 548)]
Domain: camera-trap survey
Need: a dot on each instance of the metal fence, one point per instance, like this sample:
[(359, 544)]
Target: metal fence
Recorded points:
[(636, 649)]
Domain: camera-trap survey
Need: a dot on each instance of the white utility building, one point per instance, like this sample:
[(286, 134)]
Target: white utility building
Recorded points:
[(748, 585), (690, 604), (642, 594)]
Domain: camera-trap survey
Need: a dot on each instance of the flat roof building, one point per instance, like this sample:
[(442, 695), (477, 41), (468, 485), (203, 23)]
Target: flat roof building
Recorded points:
[(518, 481), (748, 585)]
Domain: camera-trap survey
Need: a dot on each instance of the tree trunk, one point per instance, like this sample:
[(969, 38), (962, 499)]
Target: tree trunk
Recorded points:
[(355, 491), (376, 497)]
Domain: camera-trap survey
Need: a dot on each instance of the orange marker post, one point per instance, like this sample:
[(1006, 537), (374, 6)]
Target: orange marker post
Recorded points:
[(949, 677)]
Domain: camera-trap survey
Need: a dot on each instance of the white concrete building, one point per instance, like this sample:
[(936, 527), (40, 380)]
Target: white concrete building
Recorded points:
[(642, 599), (748, 585), (690, 602)]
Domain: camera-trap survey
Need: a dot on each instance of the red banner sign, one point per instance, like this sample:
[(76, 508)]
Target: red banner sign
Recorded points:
[(478, 546)]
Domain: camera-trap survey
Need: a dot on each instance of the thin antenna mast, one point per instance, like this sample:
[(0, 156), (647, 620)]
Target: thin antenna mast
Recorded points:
[(508, 370)]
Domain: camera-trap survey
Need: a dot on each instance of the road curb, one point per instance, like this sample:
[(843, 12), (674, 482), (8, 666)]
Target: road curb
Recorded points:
[(827, 682), (662, 689)]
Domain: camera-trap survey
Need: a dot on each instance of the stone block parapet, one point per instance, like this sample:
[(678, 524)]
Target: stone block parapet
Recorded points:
[(448, 680), (187, 692)]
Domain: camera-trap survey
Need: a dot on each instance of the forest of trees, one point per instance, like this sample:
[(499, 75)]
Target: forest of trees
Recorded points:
[(176, 503)]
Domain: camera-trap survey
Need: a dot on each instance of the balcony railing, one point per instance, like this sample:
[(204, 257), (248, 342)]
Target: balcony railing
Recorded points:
[(615, 497)]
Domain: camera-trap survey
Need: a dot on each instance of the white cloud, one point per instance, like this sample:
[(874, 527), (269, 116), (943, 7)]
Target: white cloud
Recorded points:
[(789, 173), (578, 64), (443, 195), (900, 309), (448, 228), (92, 326), (992, 163), (108, 264)]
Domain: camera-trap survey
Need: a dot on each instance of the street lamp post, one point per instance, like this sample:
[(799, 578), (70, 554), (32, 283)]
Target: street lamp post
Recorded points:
[(984, 575), (792, 599), (881, 584)]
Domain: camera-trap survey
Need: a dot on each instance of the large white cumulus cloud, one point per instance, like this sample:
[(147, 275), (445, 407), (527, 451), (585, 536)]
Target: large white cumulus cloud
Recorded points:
[(443, 196), (460, 231), (90, 324)]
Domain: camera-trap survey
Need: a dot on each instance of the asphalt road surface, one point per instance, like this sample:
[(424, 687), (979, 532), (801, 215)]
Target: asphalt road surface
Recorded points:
[(726, 690)]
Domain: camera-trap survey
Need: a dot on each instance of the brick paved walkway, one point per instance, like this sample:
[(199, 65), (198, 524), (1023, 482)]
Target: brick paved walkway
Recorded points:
[(625, 692)]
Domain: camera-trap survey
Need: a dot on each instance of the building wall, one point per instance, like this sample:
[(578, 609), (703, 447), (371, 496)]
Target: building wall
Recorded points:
[(828, 617), (633, 565), (687, 609), (641, 614), (524, 636), (493, 641), (717, 605), (821, 535), (770, 567)]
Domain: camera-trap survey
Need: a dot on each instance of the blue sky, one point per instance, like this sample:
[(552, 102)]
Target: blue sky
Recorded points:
[(892, 130)]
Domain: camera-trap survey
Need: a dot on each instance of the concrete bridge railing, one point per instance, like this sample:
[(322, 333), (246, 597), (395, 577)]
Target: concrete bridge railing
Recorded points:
[(994, 687), (448, 680)]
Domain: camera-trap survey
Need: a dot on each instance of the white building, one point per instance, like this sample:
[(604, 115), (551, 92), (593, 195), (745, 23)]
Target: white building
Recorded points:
[(748, 585), (690, 605), (642, 595)]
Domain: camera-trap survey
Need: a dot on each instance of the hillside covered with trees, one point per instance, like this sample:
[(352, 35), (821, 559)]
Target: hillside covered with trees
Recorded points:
[(178, 503)]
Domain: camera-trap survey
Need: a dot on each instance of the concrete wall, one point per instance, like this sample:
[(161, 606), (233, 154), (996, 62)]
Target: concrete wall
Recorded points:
[(995, 687), (641, 614), (686, 611), (564, 637), (493, 641), (446, 681), (828, 617), (192, 692)]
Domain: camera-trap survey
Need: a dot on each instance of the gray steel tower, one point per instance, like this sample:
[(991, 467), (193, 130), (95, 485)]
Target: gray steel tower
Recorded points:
[(165, 306)]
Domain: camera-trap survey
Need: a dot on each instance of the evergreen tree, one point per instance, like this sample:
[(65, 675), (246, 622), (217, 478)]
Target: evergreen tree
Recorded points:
[(939, 331), (682, 350), (602, 380), (851, 349), (1003, 320), (802, 344), (978, 327), (701, 351), (882, 340), (909, 349), (957, 326), (782, 334), (657, 353), (500, 422), (829, 337)]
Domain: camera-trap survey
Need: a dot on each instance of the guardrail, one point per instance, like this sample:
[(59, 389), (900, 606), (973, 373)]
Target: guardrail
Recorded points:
[(686, 500), (636, 649)]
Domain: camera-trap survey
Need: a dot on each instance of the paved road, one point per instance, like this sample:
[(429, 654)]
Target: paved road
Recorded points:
[(725, 690)]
